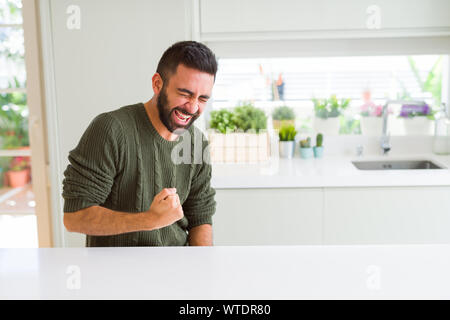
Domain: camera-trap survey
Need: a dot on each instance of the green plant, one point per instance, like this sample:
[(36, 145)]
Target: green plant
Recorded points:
[(287, 133), (305, 143), (283, 113), (319, 140), (432, 84), (5, 163), (329, 108), (222, 120), (433, 81), (349, 125), (13, 120), (320, 107), (18, 164), (247, 117)]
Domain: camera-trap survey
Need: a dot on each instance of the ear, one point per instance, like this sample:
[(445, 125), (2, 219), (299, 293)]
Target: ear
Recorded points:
[(157, 83)]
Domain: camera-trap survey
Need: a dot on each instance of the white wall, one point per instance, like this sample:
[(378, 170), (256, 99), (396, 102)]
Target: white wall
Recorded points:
[(106, 64)]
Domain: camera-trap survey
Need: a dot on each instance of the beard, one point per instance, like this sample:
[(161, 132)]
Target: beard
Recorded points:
[(165, 113)]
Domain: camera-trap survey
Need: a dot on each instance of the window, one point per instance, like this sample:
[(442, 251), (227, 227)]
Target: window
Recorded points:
[(17, 216), (294, 82)]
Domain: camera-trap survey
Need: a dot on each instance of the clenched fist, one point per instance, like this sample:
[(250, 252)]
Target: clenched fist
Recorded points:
[(165, 208)]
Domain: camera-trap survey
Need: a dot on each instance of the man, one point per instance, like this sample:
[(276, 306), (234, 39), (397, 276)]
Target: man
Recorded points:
[(122, 187)]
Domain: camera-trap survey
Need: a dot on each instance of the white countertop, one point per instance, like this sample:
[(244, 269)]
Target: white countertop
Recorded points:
[(266, 272), (330, 171)]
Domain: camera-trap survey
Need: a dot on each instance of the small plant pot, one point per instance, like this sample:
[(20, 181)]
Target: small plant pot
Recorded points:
[(419, 125), (287, 149), (17, 179), (329, 126), (306, 153), (318, 152), (371, 126)]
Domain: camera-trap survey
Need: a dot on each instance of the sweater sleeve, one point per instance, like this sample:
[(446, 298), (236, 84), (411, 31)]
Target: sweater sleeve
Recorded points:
[(200, 205), (94, 163)]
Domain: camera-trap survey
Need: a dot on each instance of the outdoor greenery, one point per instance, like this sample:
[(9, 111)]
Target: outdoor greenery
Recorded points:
[(349, 125), (330, 108), (432, 83), (5, 163), (13, 120), (10, 11), (13, 104)]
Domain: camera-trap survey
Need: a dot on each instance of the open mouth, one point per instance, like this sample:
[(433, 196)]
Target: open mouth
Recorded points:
[(181, 117)]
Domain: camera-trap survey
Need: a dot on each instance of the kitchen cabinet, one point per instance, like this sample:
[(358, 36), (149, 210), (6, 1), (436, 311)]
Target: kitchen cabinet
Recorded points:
[(387, 215), (268, 217), (293, 19), (333, 216)]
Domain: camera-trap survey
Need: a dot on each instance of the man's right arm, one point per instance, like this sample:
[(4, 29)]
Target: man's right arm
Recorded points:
[(100, 221)]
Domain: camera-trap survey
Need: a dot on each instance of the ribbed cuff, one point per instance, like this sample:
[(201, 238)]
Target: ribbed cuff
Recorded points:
[(197, 221), (72, 205)]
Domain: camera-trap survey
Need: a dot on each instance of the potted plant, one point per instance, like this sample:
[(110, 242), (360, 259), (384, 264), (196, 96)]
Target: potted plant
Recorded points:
[(371, 121), (222, 121), (282, 116), (18, 174), (318, 149), (252, 138), (247, 117), (417, 118), (306, 151), (239, 135), (287, 135), (327, 112), (222, 125)]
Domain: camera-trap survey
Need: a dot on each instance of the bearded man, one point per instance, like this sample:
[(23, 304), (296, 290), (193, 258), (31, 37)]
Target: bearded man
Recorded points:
[(123, 187)]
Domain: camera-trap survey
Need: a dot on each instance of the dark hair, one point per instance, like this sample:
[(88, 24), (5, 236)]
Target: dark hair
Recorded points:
[(192, 54)]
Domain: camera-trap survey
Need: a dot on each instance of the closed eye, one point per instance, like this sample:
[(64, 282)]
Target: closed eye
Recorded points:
[(188, 94)]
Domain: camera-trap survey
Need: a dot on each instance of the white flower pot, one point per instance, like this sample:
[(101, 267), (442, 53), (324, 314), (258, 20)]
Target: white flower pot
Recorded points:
[(239, 147), (287, 149), (418, 126), (329, 126), (371, 126)]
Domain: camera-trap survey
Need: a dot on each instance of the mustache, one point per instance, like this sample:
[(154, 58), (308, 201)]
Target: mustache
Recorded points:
[(185, 112)]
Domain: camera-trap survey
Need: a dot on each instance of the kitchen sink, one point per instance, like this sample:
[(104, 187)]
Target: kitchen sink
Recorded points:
[(396, 165)]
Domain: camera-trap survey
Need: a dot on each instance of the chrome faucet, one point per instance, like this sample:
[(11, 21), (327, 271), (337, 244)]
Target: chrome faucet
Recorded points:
[(385, 136)]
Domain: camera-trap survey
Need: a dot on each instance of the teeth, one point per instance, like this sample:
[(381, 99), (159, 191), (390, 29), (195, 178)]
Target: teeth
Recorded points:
[(182, 116)]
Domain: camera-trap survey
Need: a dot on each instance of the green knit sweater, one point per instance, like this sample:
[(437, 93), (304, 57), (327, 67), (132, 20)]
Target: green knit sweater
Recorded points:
[(121, 163)]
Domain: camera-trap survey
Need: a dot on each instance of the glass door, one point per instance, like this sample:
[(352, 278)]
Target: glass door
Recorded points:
[(18, 223)]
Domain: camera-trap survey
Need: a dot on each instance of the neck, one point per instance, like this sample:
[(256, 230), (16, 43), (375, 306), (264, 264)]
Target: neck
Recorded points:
[(153, 114)]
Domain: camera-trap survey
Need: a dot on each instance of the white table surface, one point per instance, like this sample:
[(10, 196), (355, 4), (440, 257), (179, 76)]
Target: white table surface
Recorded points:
[(266, 272), (330, 171)]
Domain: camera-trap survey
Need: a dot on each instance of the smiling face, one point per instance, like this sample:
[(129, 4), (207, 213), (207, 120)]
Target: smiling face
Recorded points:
[(182, 100)]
